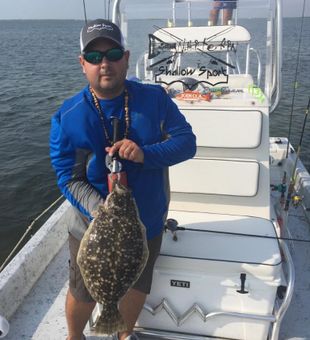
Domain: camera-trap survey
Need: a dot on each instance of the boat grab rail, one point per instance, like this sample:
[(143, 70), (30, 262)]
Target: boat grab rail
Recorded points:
[(171, 335), (278, 56), (116, 13), (196, 309), (179, 320), (259, 66), (143, 63), (279, 314)]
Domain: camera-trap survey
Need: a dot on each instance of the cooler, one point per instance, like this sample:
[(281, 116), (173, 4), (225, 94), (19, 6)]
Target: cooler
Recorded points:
[(216, 279)]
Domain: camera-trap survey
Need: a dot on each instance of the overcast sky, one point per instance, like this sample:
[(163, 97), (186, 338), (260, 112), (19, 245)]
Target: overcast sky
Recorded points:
[(73, 9)]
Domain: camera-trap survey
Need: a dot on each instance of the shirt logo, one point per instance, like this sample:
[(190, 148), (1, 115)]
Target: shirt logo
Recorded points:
[(99, 27)]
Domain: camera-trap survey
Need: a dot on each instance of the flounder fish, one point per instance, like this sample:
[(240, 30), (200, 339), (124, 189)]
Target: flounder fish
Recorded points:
[(112, 254)]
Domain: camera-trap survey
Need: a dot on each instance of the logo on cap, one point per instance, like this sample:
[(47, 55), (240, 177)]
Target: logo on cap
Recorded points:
[(99, 27)]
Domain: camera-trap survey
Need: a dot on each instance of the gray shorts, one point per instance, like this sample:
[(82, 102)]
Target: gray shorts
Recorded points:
[(76, 282), (229, 4)]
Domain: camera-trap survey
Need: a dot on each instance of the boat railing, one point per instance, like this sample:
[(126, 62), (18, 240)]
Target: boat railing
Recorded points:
[(259, 66), (277, 58), (142, 60), (290, 282)]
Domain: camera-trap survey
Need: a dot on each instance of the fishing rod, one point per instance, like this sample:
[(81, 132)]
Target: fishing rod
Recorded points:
[(296, 75), (172, 225), (294, 175), (283, 187), (85, 16)]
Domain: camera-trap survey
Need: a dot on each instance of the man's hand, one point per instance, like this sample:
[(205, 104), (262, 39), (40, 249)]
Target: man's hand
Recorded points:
[(127, 149)]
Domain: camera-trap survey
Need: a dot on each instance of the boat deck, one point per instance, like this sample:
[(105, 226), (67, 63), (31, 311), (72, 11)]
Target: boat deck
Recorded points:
[(42, 316)]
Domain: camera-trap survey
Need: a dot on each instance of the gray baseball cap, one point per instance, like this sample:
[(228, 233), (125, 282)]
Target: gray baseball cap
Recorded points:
[(100, 28)]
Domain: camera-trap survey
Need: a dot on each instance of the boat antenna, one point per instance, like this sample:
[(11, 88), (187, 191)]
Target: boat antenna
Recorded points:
[(109, 4), (85, 16), (296, 75)]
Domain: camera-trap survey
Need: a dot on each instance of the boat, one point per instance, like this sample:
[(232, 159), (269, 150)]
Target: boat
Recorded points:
[(234, 259)]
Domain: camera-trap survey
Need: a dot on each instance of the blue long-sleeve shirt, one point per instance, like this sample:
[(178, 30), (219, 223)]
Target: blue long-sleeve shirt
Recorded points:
[(77, 150)]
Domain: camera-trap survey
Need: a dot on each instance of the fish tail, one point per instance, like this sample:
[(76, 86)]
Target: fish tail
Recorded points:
[(110, 321)]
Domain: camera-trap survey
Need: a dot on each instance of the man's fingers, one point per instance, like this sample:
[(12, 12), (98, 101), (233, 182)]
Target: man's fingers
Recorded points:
[(111, 150), (126, 149), (133, 156)]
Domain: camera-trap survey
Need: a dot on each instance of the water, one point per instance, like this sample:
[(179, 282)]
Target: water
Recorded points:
[(39, 69)]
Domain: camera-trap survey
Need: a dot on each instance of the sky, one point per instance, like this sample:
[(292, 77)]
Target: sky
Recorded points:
[(73, 9)]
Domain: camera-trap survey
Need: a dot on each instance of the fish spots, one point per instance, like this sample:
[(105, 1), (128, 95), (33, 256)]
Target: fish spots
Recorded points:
[(112, 255)]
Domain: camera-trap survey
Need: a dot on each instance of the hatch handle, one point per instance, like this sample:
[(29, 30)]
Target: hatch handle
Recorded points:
[(172, 225), (242, 279)]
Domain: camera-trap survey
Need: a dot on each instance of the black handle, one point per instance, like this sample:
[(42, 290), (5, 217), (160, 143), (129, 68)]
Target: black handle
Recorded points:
[(116, 134), (242, 279), (115, 124)]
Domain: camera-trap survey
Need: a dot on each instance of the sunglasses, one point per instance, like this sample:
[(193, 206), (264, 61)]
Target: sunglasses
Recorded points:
[(96, 57)]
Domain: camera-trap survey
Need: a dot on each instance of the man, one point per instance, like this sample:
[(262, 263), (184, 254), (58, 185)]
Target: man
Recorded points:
[(227, 6), (154, 135)]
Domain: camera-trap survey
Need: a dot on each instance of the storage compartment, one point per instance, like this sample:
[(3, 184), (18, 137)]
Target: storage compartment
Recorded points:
[(211, 177), (212, 273)]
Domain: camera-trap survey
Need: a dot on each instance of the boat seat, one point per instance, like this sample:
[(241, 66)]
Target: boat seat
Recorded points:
[(230, 171), (220, 186), (210, 177), (221, 128)]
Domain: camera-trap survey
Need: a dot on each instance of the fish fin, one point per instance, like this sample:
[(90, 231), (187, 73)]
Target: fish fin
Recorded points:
[(94, 213), (110, 321)]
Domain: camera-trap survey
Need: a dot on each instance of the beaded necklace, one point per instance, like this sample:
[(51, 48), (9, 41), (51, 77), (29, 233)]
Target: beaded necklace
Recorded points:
[(127, 117)]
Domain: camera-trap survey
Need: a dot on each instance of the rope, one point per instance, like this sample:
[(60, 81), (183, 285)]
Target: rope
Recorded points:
[(296, 75), (29, 228)]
